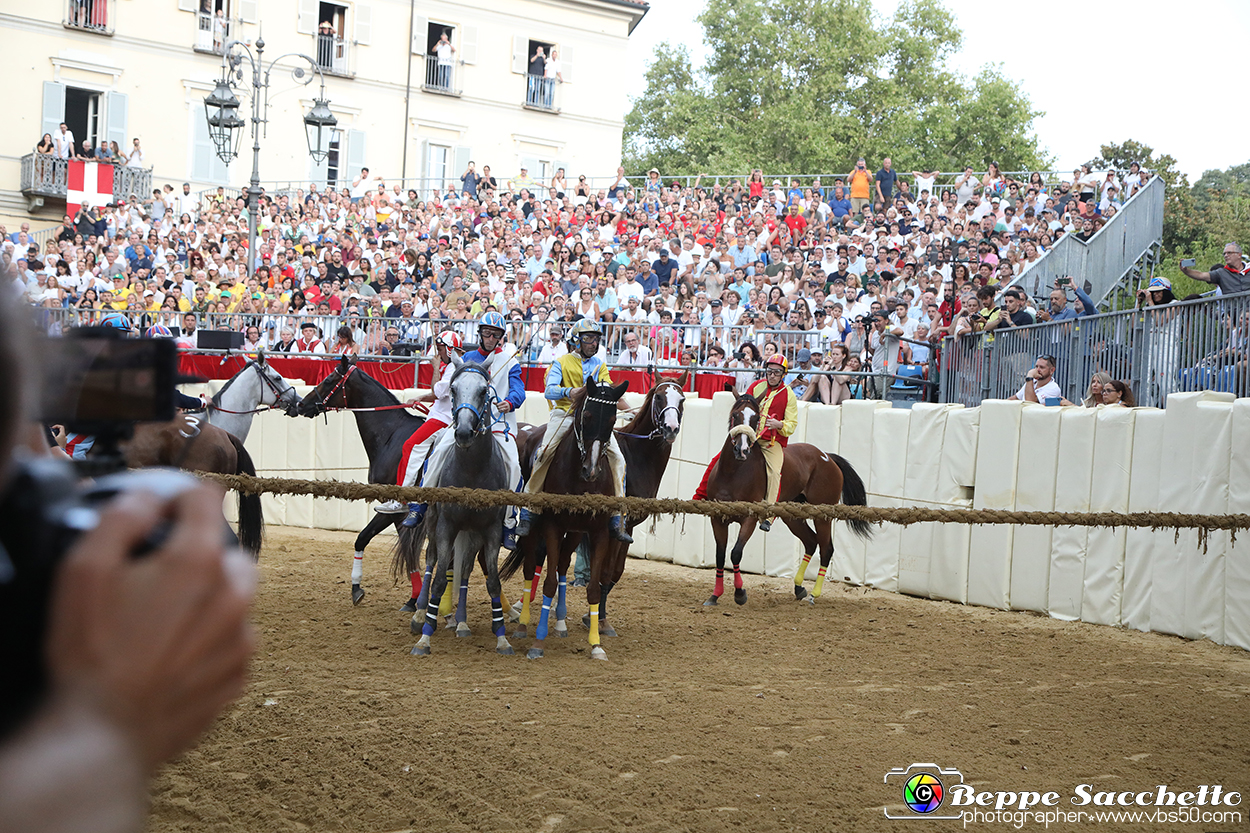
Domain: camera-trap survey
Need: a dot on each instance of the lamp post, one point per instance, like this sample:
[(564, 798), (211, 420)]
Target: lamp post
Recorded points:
[(225, 128)]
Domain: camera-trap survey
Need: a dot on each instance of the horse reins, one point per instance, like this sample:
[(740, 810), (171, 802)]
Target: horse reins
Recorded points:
[(273, 387), (658, 431)]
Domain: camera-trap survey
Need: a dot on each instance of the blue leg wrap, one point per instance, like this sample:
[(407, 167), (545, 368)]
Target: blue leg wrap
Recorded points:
[(541, 632)]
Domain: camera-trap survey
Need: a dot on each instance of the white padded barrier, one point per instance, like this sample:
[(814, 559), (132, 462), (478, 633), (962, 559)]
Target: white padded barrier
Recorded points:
[(1109, 492), (855, 445), (890, 429), (822, 428), (1072, 487), (1149, 425), (989, 550), (1237, 562), (1204, 574), (922, 486), (1035, 492), (948, 567)]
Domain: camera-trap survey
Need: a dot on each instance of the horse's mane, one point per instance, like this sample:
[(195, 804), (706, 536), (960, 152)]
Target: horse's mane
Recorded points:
[(216, 397), (391, 399)]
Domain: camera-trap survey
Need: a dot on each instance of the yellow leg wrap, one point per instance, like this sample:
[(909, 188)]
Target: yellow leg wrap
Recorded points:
[(525, 609), (594, 625), (503, 599), (444, 604), (820, 582), (802, 571)]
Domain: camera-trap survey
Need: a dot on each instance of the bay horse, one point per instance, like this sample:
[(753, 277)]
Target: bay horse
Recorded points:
[(256, 387), (577, 468), (646, 443), (383, 432), (188, 442), (808, 475), (458, 533)]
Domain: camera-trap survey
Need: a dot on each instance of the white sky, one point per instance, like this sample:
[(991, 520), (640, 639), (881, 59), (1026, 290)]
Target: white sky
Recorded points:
[(1159, 73)]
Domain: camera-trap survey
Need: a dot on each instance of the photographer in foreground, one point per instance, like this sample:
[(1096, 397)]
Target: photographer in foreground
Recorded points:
[(139, 656)]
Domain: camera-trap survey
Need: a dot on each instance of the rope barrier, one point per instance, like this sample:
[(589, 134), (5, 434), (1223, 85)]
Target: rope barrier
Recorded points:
[(608, 504)]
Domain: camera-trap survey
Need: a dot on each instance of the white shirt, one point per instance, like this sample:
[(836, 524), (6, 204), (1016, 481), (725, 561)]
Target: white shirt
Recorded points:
[(63, 143), (443, 51), (135, 160), (1050, 390), (641, 357)]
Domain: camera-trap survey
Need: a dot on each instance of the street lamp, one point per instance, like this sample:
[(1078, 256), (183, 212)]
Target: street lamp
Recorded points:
[(225, 128)]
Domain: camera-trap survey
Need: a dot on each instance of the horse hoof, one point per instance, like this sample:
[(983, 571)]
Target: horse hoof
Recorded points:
[(800, 592), (507, 652), (420, 651), (811, 600), (598, 653), (712, 601), (519, 633), (357, 594), (606, 630), (450, 623), (535, 653), (463, 630), (740, 595), (410, 606), (561, 630), (414, 626)]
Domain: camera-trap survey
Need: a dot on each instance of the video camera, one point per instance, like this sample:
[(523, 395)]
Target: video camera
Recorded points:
[(92, 381)]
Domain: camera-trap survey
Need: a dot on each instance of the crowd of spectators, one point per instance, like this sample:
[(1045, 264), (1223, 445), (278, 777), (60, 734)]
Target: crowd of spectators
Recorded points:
[(867, 271)]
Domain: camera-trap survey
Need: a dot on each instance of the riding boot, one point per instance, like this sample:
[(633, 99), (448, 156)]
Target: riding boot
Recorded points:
[(765, 524), (509, 536), (416, 514), (525, 522), (617, 530)]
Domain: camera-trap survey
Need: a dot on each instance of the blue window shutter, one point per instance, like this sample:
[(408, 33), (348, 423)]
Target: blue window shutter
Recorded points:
[(53, 107)]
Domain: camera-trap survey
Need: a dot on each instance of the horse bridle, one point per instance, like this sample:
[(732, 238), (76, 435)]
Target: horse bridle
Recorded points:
[(483, 424), (322, 402), (658, 419), (577, 424), (271, 384)]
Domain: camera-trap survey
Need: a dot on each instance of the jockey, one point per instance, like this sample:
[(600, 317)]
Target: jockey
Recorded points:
[(422, 440), (509, 392), (182, 401), (568, 373), (779, 415)]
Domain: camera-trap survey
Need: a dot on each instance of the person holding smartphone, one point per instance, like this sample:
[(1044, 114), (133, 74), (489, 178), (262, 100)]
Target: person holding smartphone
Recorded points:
[(1059, 310), (1232, 276)]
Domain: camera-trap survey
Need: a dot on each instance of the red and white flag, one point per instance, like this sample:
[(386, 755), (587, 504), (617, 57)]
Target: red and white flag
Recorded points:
[(90, 183)]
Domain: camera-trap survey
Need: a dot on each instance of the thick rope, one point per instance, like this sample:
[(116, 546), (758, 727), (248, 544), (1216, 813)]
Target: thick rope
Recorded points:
[(730, 510)]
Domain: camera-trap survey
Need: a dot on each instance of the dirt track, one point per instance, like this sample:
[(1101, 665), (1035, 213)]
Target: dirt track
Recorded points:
[(774, 716)]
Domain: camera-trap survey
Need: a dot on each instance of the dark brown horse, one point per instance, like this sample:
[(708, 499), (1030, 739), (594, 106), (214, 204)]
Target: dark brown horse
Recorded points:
[(577, 468), (191, 443), (808, 475)]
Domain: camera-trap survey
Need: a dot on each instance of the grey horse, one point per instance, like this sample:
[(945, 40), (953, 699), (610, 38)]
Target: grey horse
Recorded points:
[(457, 534), (256, 387)]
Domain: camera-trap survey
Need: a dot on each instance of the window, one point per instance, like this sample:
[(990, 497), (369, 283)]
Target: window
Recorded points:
[(214, 26), (440, 59), (545, 66), (437, 168), (82, 115), (334, 162), (89, 15)]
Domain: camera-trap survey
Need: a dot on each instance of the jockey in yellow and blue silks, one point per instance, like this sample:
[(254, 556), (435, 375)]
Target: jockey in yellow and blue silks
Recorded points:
[(567, 374)]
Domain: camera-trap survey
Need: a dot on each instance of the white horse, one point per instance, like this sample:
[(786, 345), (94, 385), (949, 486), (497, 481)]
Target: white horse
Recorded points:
[(255, 388)]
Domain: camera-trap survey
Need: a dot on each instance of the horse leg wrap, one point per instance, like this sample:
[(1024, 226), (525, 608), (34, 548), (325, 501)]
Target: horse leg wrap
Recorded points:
[(737, 577), (562, 610), (496, 616), (594, 625), (463, 603), (415, 578), (444, 604), (358, 567), (423, 596), (540, 633), (720, 582), (820, 582), (802, 571), (431, 619)]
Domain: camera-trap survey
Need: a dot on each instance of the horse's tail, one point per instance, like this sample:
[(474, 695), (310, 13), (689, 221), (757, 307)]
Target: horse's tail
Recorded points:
[(514, 562), (854, 494), (251, 518), (406, 557)]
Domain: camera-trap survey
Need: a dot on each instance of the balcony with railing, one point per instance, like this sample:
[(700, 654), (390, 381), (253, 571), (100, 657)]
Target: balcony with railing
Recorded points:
[(443, 79), (213, 31), (90, 16), (542, 94), (333, 54), (43, 175)]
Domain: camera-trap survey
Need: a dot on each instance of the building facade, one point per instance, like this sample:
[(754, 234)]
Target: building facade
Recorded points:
[(408, 109)]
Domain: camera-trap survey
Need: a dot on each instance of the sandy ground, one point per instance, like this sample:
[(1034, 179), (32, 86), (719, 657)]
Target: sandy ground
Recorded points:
[(772, 716)]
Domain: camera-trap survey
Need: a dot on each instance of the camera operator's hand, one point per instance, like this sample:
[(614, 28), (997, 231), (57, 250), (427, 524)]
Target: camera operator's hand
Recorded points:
[(157, 644)]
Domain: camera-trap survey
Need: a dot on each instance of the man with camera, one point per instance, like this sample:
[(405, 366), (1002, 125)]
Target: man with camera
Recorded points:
[(115, 663)]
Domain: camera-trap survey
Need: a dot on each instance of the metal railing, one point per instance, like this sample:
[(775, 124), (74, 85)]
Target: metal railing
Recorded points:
[(441, 78), (540, 93), (1184, 346), (89, 16), (213, 32), (45, 175), (1107, 257), (333, 54)]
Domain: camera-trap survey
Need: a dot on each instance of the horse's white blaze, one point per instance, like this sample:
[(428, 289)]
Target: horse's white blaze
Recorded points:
[(594, 452), (671, 401)]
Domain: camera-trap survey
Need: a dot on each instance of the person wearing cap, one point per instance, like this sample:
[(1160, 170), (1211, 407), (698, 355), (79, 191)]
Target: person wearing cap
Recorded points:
[(779, 416), (566, 375), (413, 459), (1157, 293), (310, 339), (800, 377)]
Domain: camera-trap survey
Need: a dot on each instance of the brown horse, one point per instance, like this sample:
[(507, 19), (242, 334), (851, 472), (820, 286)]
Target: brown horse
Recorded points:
[(808, 475), (190, 442), (577, 468), (646, 443)]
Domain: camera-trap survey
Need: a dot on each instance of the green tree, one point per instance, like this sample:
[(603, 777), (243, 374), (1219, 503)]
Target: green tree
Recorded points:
[(809, 85)]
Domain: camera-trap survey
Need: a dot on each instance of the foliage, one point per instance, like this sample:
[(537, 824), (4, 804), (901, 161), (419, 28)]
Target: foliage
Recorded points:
[(809, 85)]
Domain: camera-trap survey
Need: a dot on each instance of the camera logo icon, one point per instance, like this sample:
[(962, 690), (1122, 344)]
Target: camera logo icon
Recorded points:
[(923, 788)]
